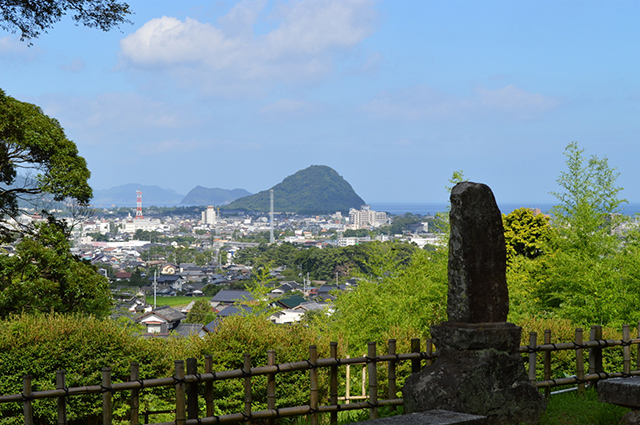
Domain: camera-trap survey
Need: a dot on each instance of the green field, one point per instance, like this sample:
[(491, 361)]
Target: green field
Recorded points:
[(170, 301)]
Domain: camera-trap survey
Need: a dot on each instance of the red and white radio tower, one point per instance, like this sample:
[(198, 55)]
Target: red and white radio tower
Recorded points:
[(139, 204)]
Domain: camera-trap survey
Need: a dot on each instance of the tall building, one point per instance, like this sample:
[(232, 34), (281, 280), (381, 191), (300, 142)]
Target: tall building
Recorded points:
[(366, 217), (209, 215)]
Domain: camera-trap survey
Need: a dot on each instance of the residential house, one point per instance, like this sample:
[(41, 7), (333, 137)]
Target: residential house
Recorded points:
[(161, 320)]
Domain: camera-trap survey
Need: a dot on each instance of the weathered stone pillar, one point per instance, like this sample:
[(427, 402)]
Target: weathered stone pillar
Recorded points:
[(478, 370)]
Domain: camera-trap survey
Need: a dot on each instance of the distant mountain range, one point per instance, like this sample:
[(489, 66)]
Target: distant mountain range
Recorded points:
[(315, 190), (125, 196)]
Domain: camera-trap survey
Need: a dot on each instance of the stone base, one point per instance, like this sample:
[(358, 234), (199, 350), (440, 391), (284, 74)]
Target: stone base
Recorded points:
[(621, 391), (432, 417), (501, 336), (480, 381)]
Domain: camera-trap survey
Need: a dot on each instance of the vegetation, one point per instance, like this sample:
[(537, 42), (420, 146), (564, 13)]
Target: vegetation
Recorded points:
[(31, 18), (314, 190)]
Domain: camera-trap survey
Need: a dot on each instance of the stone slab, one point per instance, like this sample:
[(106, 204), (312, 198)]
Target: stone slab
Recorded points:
[(477, 336), (621, 391), (431, 417), (478, 290)]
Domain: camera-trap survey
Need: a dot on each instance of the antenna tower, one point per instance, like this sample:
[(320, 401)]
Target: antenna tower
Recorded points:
[(139, 204), (271, 238)]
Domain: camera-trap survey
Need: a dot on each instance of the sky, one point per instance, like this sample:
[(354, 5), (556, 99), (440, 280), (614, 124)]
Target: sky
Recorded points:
[(394, 95)]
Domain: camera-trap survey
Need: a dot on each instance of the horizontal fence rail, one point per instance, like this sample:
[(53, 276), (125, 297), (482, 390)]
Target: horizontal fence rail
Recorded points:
[(187, 382)]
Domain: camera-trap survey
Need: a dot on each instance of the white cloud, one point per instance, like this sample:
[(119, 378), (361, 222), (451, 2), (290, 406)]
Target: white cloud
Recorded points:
[(220, 58), (428, 103), (13, 48)]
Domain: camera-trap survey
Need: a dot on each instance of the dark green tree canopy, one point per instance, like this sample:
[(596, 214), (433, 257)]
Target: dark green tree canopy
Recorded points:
[(36, 158), (32, 17)]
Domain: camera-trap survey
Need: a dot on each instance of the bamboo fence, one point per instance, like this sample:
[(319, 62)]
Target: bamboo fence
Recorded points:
[(187, 383)]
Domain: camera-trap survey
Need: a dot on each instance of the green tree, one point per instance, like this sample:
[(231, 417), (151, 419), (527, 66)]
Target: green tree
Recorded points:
[(34, 145), (588, 275), (525, 234), (30, 18), (44, 276), (201, 312)]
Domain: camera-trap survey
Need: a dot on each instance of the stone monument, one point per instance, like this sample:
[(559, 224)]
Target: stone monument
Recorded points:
[(478, 370)]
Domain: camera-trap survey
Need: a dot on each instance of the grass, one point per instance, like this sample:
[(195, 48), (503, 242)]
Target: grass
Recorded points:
[(562, 409), (170, 301), (581, 409)]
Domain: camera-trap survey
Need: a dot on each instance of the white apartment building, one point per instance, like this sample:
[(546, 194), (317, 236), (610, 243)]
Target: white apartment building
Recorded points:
[(209, 215), (366, 217)]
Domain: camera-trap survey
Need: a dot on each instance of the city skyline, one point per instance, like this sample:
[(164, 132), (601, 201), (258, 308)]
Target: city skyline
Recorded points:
[(394, 96)]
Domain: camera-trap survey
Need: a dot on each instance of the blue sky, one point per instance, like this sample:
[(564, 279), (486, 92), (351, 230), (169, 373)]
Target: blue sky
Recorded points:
[(394, 95)]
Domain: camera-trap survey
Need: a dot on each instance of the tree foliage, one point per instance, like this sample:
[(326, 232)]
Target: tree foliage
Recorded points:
[(30, 18), (525, 233), (36, 158), (43, 276)]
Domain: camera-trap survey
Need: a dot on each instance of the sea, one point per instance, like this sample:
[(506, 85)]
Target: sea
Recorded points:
[(400, 208)]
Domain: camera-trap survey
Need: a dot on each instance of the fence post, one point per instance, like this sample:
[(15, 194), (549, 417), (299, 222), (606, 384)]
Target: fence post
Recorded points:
[(106, 396), (178, 377), (638, 347), (595, 353), (533, 343), (415, 348), (208, 386), (373, 380), (347, 390), (429, 351), (26, 395), (135, 395), (246, 371), (62, 400), (392, 365), (333, 382), (313, 378), (547, 362), (579, 360), (626, 350), (192, 390), (271, 384)]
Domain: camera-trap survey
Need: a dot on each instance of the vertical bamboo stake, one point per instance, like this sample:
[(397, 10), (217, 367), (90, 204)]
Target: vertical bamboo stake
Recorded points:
[(429, 351), (415, 348), (106, 396), (27, 406), (62, 400), (392, 366), (271, 384), (595, 353), (547, 362), (135, 395), (181, 417), (579, 361), (533, 342), (347, 392), (373, 380), (246, 370), (626, 350), (208, 386), (313, 377), (333, 383), (638, 347), (192, 390)]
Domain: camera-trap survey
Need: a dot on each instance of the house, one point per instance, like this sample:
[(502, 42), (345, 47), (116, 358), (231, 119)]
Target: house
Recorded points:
[(229, 296), (189, 329), (169, 269), (161, 320), (285, 317)]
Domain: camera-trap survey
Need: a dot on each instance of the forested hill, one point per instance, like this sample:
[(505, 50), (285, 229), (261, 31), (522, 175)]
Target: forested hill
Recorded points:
[(315, 190), (212, 196)]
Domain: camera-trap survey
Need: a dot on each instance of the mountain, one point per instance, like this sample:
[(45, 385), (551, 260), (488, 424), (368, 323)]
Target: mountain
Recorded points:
[(125, 196), (215, 196), (315, 190)]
